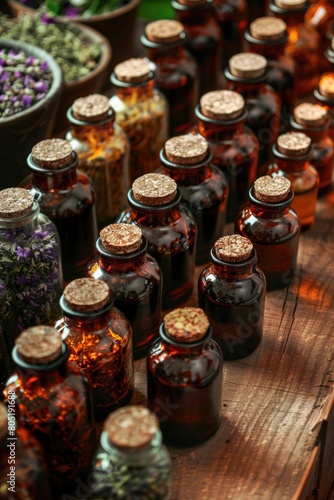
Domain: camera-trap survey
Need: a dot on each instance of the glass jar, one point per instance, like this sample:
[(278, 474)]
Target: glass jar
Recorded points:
[(184, 378), (320, 16), (170, 231), (232, 18), (324, 95), (67, 197), (231, 291), (176, 72), (142, 112), (99, 340), (134, 278), (30, 263), (103, 153), (273, 227)]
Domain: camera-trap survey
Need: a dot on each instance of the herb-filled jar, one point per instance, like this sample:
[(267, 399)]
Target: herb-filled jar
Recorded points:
[(184, 378), (176, 73), (170, 231), (103, 151), (142, 112), (99, 340), (67, 197), (30, 262), (320, 16), (132, 461), (324, 95), (231, 290), (273, 227), (203, 187), (134, 278), (232, 18), (54, 403)]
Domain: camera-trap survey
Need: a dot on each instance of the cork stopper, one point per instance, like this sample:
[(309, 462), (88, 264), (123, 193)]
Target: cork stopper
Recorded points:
[(186, 324), (133, 70), (290, 4), (222, 104), (52, 153), (92, 108), (247, 65), (3, 421), (164, 31), (154, 189), (15, 202), (272, 189), (267, 28), (233, 248), (121, 238), (326, 85), (39, 345), (186, 149), (293, 144), (310, 115), (131, 427), (86, 294)]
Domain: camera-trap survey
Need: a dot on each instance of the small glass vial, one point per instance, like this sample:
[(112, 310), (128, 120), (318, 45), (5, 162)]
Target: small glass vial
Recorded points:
[(142, 112), (273, 227), (134, 278), (292, 154), (232, 18), (103, 151), (30, 262), (203, 187), (176, 73), (184, 378), (324, 95), (204, 39), (320, 16), (132, 462), (54, 403), (231, 291), (99, 340), (67, 197), (313, 120)]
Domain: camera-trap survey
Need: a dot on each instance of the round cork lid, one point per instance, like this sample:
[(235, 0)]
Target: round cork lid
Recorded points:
[(52, 153), (293, 143), (247, 65), (186, 324), (164, 31), (290, 4), (39, 345), (271, 189), (93, 108), (154, 189), (233, 248), (3, 421), (326, 85), (121, 238), (308, 114), (267, 28), (15, 202), (86, 294), (186, 149), (133, 70), (222, 104), (131, 427)]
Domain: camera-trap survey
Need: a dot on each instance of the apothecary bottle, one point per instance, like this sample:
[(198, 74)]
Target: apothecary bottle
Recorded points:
[(320, 16), (184, 378), (67, 197), (273, 227), (231, 291), (142, 112), (203, 187), (132, 461), (30, 262), (99, 340), (170, 231), (103, 152), (232, 18), (324, 95), (176, 73), (134, 278)]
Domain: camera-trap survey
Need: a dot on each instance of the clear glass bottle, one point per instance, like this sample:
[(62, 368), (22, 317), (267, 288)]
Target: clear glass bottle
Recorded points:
[(30, 262), (273, 227), (132, 462), (184, 378), (67, 197), (142, 112), (170, 231), (324, 95), (203, 187), (221, 121), (320, 16), (231, 291), (99, 340), (232, 18), (103, 151), (134, 278), (176, 73)]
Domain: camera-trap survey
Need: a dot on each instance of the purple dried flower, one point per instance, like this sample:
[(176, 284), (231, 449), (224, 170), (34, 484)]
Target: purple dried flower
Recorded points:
[(40, 96), (44, 65), (40, 86), (18, 74), (22, 280), (22, 252), (30, 61), (26, 100), (4, 76), (2, 62)]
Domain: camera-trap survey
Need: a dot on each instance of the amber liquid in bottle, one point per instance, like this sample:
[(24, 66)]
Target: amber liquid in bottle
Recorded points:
[(232, 18)]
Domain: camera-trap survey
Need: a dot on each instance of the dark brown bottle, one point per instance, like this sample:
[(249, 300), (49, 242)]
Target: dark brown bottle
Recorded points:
[(324, 94), (232, 18)]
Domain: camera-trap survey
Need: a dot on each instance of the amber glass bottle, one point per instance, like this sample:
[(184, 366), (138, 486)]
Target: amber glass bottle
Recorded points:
[(320, 16), (324, 95), (176, 73), (232, 18), (231, 290), (134, 278), (184, 377)]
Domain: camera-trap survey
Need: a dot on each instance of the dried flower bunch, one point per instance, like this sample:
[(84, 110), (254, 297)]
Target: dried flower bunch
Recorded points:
[(74, 8)]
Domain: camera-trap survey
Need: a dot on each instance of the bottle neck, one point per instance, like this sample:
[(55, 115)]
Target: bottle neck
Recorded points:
[(193, 16), (268, 211), (173, 54), (247, 88), (94, 134), (28, 222), (233, 270), (130, 95), (314, 133), (161, 215), (86, 322), (122, 263), (271, 49), (186, 175), (291, 164), (183, 348), (290, 16), (55, 180), (218, 130)]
